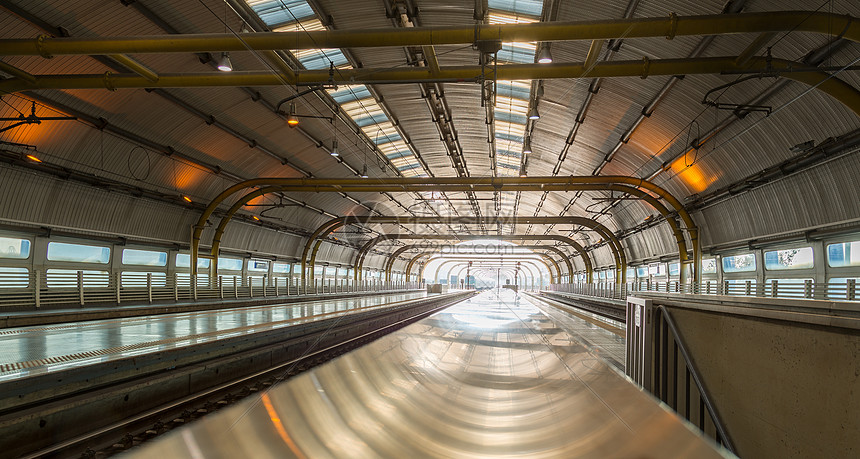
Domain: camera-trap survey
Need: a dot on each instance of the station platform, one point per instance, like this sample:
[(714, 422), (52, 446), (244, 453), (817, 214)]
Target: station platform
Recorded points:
[(492, 376), (26, 318), (38, 350)]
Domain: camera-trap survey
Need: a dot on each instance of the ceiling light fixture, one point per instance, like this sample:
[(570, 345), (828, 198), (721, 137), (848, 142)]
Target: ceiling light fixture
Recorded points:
[(34, 159), (292, 119), (533, 113), (255, 217), (334, 151), (224, 63), (364, 171), (186, 198), (527, 145), (544, 56)]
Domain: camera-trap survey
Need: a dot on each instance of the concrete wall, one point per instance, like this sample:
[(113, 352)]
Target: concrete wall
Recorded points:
[(783, 389)]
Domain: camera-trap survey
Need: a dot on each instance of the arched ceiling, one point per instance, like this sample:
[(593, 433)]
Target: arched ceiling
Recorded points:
[(196, 141)]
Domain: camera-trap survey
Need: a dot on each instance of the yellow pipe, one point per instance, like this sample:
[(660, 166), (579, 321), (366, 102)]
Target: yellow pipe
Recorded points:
[(136, 67), (836, 88), (669, 27), (16, 72)]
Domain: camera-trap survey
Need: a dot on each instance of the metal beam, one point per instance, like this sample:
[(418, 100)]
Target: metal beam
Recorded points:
[(491, 184), (332, 225), (389, 265), (669, 27), (358, 264)]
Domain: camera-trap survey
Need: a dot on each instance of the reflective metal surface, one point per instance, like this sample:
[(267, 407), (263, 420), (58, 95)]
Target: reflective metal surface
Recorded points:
[(28, 351), (489, 377)]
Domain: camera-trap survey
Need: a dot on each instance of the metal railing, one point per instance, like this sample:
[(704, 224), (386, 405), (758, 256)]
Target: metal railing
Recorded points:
[(831, 291), (37, 289), (657, 358)]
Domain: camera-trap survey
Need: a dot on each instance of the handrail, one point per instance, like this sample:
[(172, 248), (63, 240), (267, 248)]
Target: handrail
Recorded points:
[(703, 393)]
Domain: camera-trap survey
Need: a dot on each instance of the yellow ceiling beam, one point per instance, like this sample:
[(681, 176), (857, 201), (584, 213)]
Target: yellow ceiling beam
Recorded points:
[(669, 27)]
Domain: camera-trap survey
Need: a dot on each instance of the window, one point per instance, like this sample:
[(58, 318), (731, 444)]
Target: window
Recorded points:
[(601, 274), (657, 269), (14, 277), (60, 251), (631, 273), (800, 258), (183, 260), (739, 263), (258, 265), (138, 279), (69, 278), (642, 271), (610, 274), (12, 247), (329, 272), (675, 269), (230, 264), (709, 266), (144, 257), (281, 268), (843, 254)]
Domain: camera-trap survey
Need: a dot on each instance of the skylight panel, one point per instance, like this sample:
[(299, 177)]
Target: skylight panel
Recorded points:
[(511, 105), (510, 128), (317, 59), (504, 17), (520, 89), (504, 136), (362, 108), (274, 12), (307, 25), (382, 133), (355, 100), (529, 7), (344, 94)]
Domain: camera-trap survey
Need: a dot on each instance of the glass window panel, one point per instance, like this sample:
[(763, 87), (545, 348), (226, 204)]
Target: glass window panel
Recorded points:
[(709, 266), (144, 257), (258, 265), (61, 251), (230, 264), (631, 273), (739, 263), (642, 271), (800, 258), (843, 254), (674, 269), (283, 268), (183, 260), (14, 277), (13, 247)]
